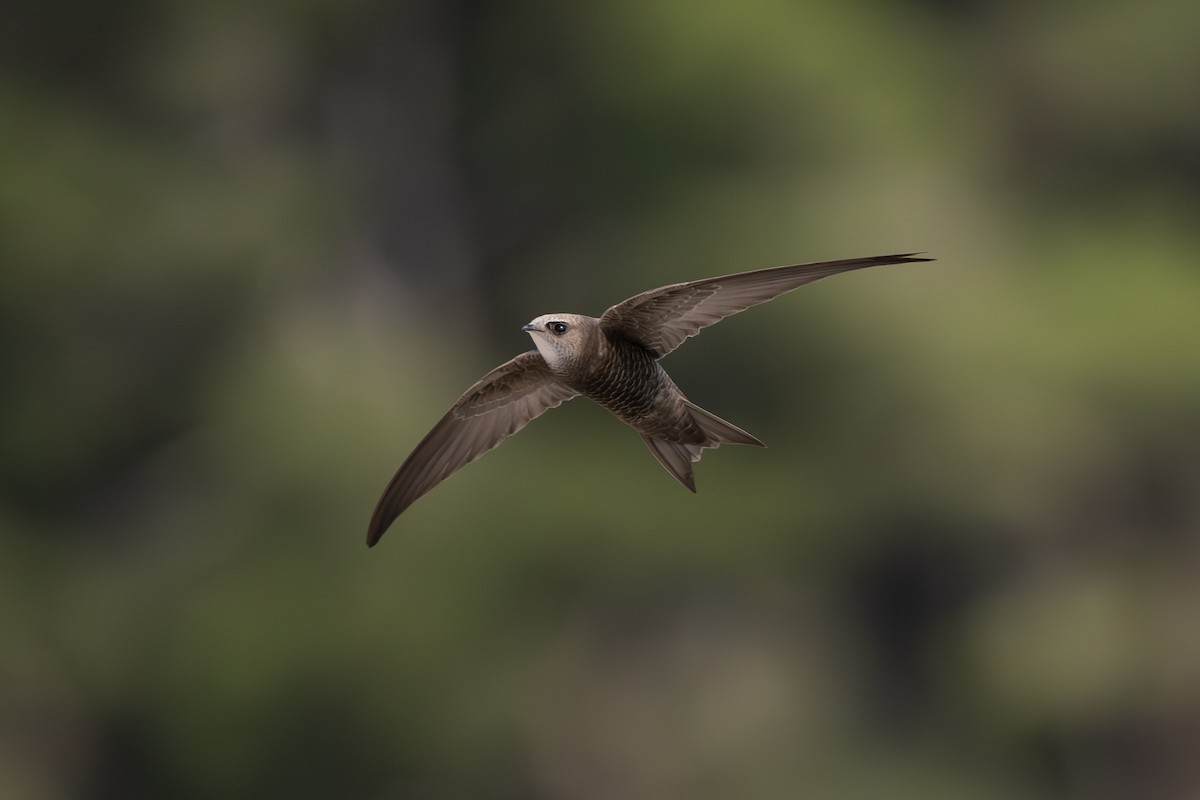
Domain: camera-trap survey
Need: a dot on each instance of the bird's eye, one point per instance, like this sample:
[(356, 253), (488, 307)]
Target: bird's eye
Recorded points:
[(557, 328)]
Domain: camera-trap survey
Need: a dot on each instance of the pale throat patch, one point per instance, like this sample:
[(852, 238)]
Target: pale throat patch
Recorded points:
[(553, 356)]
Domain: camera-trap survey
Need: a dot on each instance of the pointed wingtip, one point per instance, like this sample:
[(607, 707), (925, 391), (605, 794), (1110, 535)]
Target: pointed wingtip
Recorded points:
[(375, 531), (905, 258)]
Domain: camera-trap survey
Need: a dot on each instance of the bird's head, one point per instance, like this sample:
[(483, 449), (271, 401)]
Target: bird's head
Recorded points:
[(561, 338)]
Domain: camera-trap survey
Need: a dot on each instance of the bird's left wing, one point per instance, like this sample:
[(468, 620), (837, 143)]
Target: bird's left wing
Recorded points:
[(500, 404), (661, 319)]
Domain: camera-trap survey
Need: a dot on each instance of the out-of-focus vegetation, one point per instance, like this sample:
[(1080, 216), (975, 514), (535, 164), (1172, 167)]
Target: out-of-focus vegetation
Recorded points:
[(250, 252)]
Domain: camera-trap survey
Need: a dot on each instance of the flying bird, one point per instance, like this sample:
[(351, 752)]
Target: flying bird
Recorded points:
[(612, 359)]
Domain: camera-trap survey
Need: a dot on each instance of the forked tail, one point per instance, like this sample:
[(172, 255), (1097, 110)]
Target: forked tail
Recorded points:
[(677, 457)]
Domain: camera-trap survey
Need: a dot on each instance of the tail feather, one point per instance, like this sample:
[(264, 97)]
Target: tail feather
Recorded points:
[(677, 457), (718, 430)]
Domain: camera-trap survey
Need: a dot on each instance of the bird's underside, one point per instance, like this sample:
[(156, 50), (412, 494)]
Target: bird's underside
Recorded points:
[(613, 360), (626, 378)]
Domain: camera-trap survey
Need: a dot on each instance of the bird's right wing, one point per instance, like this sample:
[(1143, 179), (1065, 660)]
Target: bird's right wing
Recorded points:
[(661, 319), (500, 404)]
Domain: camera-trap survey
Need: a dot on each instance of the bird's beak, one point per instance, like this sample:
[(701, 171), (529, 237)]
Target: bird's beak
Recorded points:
[(529, 327)]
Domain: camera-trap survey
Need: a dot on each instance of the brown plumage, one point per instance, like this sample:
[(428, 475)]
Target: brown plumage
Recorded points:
[(613, 360)]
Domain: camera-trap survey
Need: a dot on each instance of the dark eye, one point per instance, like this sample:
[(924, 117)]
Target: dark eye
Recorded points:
[(557, 328)]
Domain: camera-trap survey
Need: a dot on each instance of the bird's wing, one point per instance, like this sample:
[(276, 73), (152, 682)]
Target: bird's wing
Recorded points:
[(500, 404), (661, 319)]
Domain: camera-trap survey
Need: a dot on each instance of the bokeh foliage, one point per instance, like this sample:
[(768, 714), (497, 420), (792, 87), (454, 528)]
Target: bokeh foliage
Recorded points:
[(250, 252)]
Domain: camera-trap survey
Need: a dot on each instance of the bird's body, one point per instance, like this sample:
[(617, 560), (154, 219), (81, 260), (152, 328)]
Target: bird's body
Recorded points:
[(620, 375), (613, 360), (624, 376)]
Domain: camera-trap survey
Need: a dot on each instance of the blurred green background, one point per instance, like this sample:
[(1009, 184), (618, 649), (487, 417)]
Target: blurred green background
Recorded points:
[(249, 253)]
